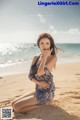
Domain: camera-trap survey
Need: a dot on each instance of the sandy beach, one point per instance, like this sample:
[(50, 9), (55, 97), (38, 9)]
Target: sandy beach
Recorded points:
[(66, 102)]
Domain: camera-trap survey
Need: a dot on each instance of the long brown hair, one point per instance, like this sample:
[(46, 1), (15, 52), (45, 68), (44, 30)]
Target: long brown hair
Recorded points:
[(52, 44)]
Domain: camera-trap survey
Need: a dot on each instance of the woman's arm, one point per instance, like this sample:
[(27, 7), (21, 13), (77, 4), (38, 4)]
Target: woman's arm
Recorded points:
[(49, 65), (41, 83), (32, 78), (34, 59), (41, 66), (52, 63), (31, 74)]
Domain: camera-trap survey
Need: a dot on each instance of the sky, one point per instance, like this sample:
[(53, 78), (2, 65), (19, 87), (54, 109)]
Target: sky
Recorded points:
[(25, 20)]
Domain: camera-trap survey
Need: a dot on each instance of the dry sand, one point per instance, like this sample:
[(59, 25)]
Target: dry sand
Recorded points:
[(66, 102)]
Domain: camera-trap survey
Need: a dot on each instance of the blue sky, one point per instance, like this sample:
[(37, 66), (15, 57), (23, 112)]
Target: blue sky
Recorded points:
[(24, 20)]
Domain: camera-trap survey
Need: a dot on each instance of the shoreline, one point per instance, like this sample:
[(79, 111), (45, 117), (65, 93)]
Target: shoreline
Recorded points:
[(24, 67)]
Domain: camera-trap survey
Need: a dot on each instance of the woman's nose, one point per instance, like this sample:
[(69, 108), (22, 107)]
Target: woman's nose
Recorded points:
[(44, 46)]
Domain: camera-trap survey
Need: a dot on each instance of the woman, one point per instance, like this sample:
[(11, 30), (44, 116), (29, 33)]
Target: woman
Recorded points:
[(40, 73)]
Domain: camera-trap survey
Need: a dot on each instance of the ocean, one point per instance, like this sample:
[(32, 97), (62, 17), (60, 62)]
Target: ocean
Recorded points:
[(17, 57)]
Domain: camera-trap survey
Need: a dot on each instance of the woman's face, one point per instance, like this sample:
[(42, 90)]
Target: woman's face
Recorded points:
[(44, 44)]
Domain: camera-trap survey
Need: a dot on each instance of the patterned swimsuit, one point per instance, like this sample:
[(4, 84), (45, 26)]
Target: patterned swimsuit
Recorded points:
[(43, 96)]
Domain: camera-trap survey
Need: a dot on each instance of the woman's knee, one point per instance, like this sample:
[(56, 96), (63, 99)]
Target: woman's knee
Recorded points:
[(12, 103), (16, 107)]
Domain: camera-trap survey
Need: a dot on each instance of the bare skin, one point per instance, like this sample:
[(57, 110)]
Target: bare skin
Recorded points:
[(28, 101), (21, 97), (25, 103)]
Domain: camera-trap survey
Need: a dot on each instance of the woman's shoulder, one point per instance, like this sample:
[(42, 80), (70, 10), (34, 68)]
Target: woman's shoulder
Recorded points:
[(53, 57), (34, 59)]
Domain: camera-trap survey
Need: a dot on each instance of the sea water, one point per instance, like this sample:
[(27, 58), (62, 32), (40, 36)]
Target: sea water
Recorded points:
[(17, 57)]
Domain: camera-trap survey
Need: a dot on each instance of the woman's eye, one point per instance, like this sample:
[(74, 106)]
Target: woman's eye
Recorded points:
[(41, 43), (47, 43)]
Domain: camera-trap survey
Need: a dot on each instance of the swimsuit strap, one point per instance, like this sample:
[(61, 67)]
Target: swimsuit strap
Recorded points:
[(37, 59)]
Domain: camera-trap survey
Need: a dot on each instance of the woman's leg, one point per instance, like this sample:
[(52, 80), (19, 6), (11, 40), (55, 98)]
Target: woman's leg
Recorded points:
[(21, 97), (25, 103), (29, 108)]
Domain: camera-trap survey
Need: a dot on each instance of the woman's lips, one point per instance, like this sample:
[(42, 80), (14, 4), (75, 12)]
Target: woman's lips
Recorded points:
[(45, 49)]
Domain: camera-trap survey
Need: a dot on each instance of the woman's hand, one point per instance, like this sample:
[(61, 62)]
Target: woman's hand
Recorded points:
[(44, 84), (46, 53)]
